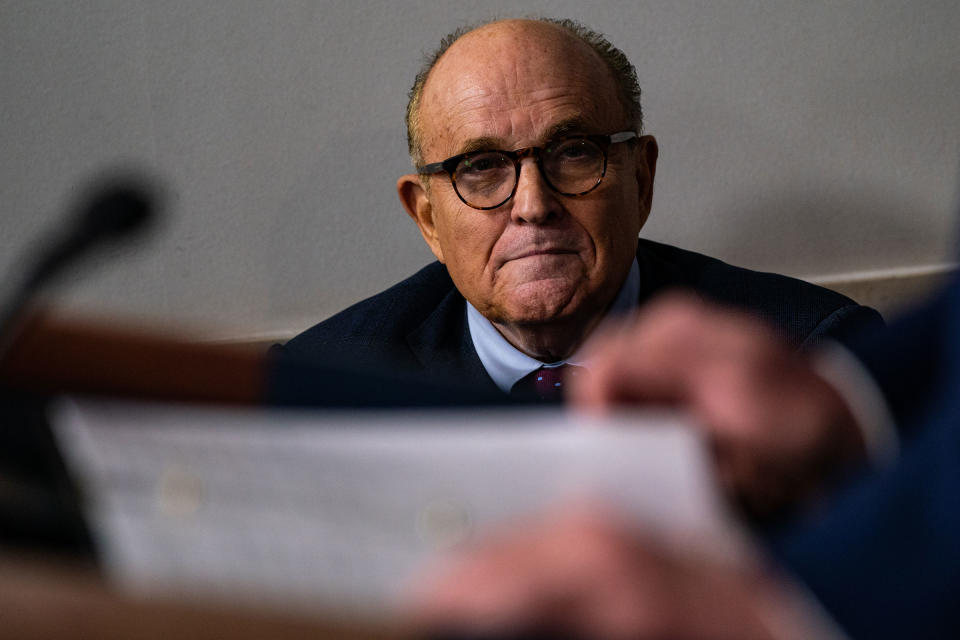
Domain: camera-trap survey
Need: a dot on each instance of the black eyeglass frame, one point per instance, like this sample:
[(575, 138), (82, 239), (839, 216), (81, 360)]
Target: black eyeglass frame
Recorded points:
[(602, 141)]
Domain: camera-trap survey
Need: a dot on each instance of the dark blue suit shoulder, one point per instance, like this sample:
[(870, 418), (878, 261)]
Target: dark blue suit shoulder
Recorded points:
[(381, 319), (804, 313)]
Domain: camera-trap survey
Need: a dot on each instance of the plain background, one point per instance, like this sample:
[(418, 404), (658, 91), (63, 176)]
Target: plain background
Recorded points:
[(818, 139)]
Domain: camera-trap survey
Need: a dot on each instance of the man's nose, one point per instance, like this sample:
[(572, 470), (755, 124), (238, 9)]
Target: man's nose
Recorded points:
[(534, 201)]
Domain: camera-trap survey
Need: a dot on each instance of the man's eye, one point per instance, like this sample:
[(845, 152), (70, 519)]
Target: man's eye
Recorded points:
[(573, 150), (483, 163)]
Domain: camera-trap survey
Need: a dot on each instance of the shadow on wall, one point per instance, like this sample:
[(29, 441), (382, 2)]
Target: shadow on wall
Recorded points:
[(827, 230)]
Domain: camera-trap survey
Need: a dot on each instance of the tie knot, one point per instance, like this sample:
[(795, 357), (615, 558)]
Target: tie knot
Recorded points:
[(546, 383)]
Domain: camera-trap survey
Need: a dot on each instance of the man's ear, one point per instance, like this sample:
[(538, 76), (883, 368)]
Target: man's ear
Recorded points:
[(416, 201), (646, 152)]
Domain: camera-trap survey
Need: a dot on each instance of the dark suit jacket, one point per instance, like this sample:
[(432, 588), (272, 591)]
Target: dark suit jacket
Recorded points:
[(884, 555), (420, 324)]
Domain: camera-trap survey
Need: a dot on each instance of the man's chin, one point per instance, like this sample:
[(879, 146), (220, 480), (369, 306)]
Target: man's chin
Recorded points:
[(541, 302)]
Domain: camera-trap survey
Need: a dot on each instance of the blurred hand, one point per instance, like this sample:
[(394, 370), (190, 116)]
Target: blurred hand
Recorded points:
[(582, 573), (779, 432)]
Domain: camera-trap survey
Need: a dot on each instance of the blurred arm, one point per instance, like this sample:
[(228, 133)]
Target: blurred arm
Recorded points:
[(781, 433)]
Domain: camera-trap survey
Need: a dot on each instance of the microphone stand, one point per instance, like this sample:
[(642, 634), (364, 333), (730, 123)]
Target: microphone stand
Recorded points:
[(39, 506), (113, 210)]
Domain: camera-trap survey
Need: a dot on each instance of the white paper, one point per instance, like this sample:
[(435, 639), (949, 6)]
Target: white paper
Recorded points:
[(339, 509)]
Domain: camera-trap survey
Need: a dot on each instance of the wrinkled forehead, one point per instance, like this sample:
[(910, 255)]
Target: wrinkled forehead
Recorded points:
[(512, 84)]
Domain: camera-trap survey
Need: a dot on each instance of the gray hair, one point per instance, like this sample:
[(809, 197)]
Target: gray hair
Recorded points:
[(624, 76)]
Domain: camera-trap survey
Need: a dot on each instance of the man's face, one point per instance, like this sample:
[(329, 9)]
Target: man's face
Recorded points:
[(541, 258)]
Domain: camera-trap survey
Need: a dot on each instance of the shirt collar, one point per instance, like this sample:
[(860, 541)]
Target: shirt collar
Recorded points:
[(506, 364)]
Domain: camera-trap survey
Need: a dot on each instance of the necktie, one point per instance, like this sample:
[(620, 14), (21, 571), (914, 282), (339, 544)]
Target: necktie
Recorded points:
[(546, 383)]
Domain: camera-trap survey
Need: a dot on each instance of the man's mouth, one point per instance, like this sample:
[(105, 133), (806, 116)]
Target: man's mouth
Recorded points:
[(545, 251)]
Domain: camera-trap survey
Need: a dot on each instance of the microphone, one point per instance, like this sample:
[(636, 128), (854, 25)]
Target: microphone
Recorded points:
[(111, 210)]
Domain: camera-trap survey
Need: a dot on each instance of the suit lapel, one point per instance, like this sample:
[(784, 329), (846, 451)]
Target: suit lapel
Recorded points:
[(658, 275), (443, 346)]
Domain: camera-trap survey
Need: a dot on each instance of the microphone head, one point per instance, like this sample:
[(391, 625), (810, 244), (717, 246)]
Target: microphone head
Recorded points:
[(112, 209), (115, 207)]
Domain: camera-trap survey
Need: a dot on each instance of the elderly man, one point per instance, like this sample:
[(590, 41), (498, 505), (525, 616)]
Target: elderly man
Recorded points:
[(533, 182)]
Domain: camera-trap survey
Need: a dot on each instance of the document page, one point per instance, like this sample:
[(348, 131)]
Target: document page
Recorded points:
[(340, 509)]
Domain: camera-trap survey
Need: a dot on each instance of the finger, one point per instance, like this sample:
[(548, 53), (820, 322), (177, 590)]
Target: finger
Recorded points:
[(646, 361), (522, 579)]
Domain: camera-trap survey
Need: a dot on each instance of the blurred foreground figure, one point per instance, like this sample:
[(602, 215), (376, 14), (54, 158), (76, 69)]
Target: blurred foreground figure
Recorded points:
[(876, 547)]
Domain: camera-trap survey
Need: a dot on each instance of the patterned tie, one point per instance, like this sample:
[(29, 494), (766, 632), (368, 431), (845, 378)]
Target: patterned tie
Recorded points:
[(546, 383)]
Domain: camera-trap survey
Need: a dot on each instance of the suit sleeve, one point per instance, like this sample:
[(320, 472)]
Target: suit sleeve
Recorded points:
[(884, 559), (846, 325), (909, 362), (883, 555)]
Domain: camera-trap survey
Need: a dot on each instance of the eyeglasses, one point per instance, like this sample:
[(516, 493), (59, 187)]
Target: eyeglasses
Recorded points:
[(571, 166)]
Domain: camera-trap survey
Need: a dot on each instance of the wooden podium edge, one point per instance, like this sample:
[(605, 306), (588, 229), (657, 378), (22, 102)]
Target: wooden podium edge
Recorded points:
[(41, 599), (55, 355)]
